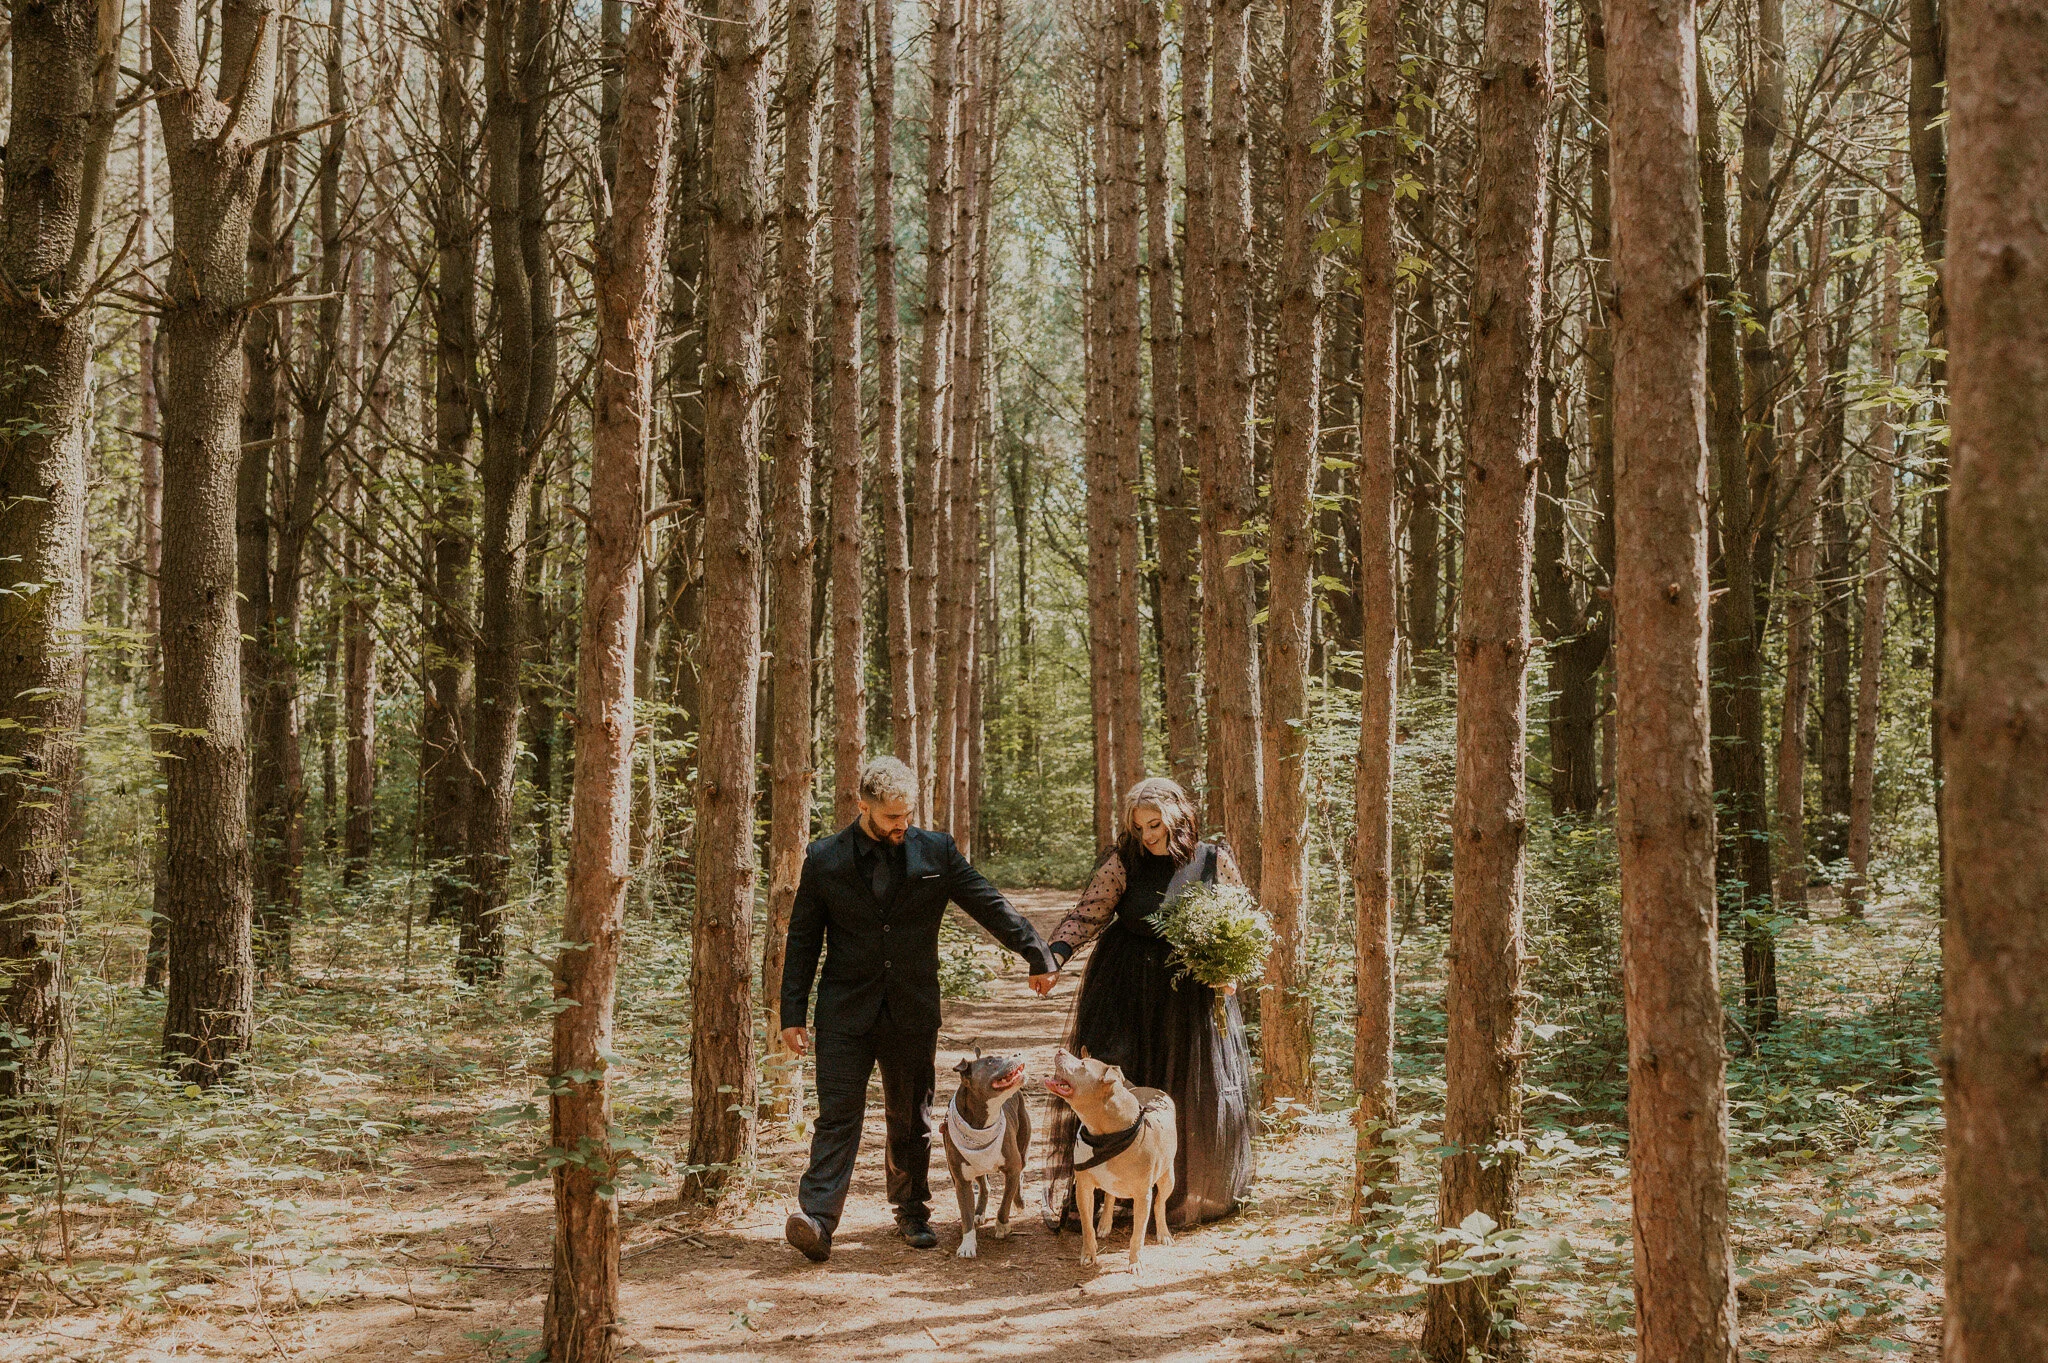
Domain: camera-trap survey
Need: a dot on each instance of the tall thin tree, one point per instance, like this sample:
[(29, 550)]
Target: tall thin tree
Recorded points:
[(1489, 813), (849, 585), (721, 965), (792, 552), (1372, 847), (1664, 809), (581, 1321), (1285, 1041), (1230, 494)]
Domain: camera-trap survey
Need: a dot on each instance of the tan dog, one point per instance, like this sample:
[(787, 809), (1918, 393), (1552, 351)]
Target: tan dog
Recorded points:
[(1125, 1148)]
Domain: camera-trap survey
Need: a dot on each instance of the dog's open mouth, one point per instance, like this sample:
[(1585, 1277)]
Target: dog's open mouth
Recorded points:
[(1060, 1086), (1013, 1078)]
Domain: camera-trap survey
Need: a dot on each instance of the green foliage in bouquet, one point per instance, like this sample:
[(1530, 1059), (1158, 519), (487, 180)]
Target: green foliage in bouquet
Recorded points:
[(1219, 934)]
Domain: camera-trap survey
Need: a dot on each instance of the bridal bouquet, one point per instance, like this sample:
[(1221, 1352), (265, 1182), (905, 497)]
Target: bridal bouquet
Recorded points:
[(1219, 934)]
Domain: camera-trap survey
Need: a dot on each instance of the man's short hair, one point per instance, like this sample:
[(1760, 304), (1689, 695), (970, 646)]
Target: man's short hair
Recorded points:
[(887, 778)]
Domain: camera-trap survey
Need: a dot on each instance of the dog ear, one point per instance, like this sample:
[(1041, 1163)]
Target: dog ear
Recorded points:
[(1084, 1053), (977, 1050), (963, 1067)]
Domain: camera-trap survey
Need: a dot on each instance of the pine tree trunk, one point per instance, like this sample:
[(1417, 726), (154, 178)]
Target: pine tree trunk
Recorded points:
[(519, 61), (60, 125), (721, 965), (1489, 818), (281, 802), (1927, 147), (1763, 120), (450, 653), (1743, 864), (896, 572), (1578, 633), (926, 508), (1170, 436), (955, 537), (682, 657), (150, 438), (849, 586), (580, 1325), (1994, 709), (266, 441), (791, 556), (1098, 456), (1870, 670), (1198, 358), (1372, 849), (213, 161), (1126, 386), (1286, 1043), (1664, 819), (1837, 595), (1230, 500)]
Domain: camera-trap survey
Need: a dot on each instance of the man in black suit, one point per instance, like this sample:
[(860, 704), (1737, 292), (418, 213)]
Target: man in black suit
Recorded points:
[(871, 898)]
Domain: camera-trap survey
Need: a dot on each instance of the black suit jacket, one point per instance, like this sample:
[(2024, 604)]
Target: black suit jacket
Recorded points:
[(875, 951)]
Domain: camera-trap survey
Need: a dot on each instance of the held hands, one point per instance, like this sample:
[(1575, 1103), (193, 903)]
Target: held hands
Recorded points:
[(1042, 985), (794, 1040)]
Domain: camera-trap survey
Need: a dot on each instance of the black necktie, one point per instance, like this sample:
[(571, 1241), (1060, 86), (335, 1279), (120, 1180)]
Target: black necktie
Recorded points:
[(881, 874)]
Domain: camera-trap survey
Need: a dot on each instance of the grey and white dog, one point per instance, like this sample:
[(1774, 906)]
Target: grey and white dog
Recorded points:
[(987, 1131)]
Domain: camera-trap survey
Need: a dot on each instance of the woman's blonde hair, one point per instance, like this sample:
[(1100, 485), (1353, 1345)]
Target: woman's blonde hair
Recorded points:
[(1176, 810)]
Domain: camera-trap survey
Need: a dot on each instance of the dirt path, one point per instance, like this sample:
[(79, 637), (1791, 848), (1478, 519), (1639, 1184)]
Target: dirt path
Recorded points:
[(731, 1289)]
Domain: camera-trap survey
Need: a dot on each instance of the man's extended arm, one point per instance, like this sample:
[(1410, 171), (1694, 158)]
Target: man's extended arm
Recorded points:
[(806, 941), (985, 904)]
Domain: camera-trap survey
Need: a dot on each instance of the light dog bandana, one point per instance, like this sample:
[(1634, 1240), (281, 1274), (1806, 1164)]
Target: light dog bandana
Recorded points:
[(980, 1147)]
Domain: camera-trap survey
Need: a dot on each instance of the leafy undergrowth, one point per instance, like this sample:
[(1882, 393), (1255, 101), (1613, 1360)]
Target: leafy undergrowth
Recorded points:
[(390, 1114), (1835, 1169)]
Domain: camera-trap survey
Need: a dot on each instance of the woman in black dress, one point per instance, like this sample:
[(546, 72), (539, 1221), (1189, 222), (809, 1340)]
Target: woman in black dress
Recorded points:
[(1163, 1032)]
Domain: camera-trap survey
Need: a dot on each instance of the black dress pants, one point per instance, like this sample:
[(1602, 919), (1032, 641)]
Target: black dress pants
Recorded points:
[(845, 1060)]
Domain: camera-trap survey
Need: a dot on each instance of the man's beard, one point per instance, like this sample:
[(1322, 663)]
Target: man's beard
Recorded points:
[(894, 838)]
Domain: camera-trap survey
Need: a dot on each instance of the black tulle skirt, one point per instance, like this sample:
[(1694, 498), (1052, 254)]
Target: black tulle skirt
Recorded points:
[(1131, 1013)]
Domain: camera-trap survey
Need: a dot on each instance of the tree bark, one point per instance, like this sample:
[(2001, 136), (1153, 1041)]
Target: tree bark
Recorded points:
[(721, 966), (359, 639), (896, 573), (580, 1325), (1376, 1163), (926, 509), (60, 125), (1098, 454), (519, 69), (792, 555), (955, 536), (1870, 670), (849, 586), (1286, 1045), (1743, 864), (1198, 358), (1994, 713), (1927, 147), (211, 142), (1664, 815), (280, 800), (1230, 503), (1126, 383), (450, 649), (1578, 631), (1489, 818), (1763, 119), (1178, 544)]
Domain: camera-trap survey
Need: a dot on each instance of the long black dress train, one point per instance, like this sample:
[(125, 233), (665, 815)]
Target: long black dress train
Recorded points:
[(1132, 1012)]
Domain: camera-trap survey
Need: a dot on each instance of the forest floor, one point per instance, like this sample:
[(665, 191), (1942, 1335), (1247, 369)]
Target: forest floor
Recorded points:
[(429, 1254)]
